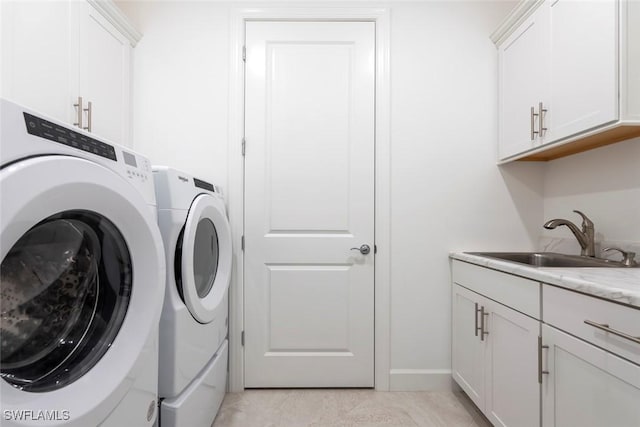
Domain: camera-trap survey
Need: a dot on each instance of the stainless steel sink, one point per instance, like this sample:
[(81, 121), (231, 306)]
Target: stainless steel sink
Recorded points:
[(549, 259)]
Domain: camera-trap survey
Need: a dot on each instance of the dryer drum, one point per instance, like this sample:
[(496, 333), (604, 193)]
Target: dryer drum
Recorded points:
[(64, 290)]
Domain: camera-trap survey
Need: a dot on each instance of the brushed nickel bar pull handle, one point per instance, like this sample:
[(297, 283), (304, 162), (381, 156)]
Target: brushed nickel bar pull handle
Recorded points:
[(539, 359), (540, 371), (78, 113), (89, 111), (534, 132), (482, 324), (541, 112), (606, 328), (477, 328)]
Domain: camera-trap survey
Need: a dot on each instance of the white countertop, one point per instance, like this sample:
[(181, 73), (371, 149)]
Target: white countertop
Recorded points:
[(616, 284)]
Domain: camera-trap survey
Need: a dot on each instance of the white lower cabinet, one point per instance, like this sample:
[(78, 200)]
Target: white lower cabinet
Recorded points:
[(495, 358), (467, 347), (586, 386), (572, 360), (593, 377), (512, 368)]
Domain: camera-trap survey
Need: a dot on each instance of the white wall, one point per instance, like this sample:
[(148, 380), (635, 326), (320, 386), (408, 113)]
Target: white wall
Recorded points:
[(604, 184), (180, 85), (447, 192)]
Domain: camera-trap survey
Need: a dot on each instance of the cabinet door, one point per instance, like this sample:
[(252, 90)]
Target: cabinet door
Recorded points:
[(513, 391), (584, 89), (37, 56), (587, 386), (523, 83), (467, 349), (105, 61)]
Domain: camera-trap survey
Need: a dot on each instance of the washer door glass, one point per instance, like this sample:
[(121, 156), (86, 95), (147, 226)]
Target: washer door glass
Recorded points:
[(205, 257), (65, 287)]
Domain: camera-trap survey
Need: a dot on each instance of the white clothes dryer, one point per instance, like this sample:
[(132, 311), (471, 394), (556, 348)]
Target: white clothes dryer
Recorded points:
[(193, 327), (82, 277)]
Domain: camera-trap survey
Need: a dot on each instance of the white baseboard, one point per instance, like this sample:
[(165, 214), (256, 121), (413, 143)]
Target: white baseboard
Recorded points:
[(420, 380)]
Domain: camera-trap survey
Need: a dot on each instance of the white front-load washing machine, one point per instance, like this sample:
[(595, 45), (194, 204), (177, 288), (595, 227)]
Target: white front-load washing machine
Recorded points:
[(82, 277), (193, 327)]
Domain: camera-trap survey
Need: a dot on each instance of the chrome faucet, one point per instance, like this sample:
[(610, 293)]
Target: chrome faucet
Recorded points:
[(585, 236)]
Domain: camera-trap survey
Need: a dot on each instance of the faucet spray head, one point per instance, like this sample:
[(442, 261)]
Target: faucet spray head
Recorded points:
[(551, 224)]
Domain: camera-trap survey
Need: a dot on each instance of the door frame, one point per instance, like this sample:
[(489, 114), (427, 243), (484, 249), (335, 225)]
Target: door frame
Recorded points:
[(382, 209)]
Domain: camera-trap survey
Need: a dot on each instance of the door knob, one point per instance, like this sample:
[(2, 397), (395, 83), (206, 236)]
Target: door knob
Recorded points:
[(364, 249)]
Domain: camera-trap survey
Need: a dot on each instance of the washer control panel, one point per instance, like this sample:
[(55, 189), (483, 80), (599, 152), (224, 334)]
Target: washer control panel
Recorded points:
[(137, 168), (62, 135)]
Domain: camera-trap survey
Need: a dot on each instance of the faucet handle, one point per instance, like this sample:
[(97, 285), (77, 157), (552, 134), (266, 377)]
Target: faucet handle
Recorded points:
[(586, 222), (628, 257)]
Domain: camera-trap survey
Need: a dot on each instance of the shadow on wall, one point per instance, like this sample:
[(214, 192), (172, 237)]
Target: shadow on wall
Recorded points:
[(525, 183), (603, 183), (612, 168)]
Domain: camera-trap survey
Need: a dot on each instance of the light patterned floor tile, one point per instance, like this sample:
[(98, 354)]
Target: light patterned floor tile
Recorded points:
[(347, 408)]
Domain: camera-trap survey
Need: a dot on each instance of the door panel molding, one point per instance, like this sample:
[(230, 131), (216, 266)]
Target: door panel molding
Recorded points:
[(381, 17)]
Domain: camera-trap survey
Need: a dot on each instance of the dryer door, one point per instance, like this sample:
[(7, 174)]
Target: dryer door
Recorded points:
[(203, 263), (81, 286)]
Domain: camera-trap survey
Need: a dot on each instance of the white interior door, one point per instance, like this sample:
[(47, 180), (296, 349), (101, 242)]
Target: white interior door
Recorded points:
[(309, 199)]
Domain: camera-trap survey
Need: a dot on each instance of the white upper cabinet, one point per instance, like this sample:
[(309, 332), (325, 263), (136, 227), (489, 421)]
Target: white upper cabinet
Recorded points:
[(55, 52), (567, 77), (37, 64), (105, 69), (584, 67), (524, 83)]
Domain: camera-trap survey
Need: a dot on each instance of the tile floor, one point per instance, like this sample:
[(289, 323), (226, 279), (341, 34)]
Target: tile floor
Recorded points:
[(325, 408)]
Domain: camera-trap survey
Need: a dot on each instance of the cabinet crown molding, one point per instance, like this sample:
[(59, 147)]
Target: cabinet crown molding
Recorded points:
[(118, 19), (519, 13)]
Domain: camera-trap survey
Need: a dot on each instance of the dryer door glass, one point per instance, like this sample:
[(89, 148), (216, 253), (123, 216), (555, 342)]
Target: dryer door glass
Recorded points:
[(65, 287), (205, 257)]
